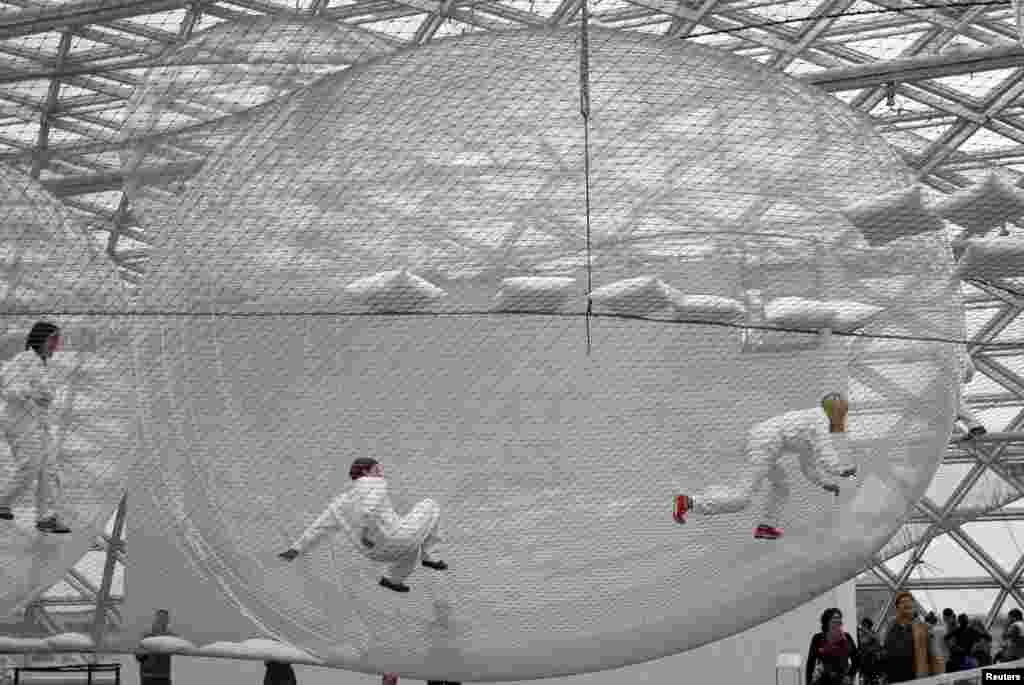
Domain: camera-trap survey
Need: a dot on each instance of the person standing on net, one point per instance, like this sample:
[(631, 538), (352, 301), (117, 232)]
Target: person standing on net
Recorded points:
[(365, 513), (28, 394), (155, 669)]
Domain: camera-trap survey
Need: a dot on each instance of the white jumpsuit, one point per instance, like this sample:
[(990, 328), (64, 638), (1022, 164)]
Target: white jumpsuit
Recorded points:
[(365, 510), (26, 429), (963, 413), (803, 432)]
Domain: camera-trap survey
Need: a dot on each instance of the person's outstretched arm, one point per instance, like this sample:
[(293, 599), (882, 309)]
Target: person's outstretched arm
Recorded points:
[(328, 522)]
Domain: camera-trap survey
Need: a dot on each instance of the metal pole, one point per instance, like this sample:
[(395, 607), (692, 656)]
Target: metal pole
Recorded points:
[(114, 545)]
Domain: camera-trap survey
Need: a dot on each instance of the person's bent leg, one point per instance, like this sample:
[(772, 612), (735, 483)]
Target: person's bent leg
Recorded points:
[(25, 452), (400, 571), (47, 489), (968, 417), (762, 455)]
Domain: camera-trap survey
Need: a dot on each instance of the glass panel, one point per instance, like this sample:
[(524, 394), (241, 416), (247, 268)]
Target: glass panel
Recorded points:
[(1001, 540), (945, 481), (945, 558)]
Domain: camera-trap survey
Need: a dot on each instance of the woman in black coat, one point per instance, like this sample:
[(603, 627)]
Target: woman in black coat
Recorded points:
[(279, 674), (833, 657)]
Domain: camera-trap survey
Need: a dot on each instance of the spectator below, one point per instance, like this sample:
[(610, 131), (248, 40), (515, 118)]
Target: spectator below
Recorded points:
[(155, 669), (909, 649), (1013, 637), (869, 653), (832, 659), (279, 673)]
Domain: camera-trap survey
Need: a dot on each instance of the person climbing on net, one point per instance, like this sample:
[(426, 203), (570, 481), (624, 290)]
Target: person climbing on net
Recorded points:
[(365, 512), (28, 394), (802, 432)]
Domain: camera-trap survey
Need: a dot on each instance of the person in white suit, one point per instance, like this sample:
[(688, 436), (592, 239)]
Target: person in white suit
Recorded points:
[(28, 394), (820, 448), (964, 415), (365, 513)]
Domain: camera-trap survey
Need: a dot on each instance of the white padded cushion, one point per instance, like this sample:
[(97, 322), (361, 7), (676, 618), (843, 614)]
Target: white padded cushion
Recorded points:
[(892, 216), (21, 644), (987, 258), (798, 312), (636, 296), (262, 649), (395, 291), (167, 644), (70, 641), (850, 315), (839, 315), (709, 308), (534, 293), (983, 206)]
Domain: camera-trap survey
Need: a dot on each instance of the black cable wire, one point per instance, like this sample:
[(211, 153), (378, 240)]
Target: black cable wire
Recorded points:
[(492, 313), (585, 111)]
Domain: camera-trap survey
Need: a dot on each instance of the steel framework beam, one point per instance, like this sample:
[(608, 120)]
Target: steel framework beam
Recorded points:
[(56, 17), (99, 627), (917, 68)]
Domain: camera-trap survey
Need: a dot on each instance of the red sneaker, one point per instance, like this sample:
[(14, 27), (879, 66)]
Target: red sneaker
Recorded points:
[(764, 532), (683, 505)]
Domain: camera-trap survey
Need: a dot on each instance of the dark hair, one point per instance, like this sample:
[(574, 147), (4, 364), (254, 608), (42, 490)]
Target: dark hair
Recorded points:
[(900, 596), (867, 623), (962, 619), (1017, 613), (947, 612), (37, 337), (930, 618), (826, 617), (360, 466)]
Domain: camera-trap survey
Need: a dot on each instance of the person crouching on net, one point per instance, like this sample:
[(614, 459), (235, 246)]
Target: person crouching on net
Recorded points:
[(366, 513), (802, 432), (28, 393)]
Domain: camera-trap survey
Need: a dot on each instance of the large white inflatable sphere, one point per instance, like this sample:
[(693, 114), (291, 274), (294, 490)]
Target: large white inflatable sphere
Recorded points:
[(336, 285)]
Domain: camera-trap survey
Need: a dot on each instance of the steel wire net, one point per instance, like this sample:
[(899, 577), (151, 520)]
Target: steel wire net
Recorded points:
[(550, 324)]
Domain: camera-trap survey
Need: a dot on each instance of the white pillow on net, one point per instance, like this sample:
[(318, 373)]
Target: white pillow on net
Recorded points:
[(987, 258), (712, 308), (395, 291), (798, 312), (803, 313), (894, 215), (983, 206), (166, 644), (636, 296), (850, 315), (70, 641), (534, 293)]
